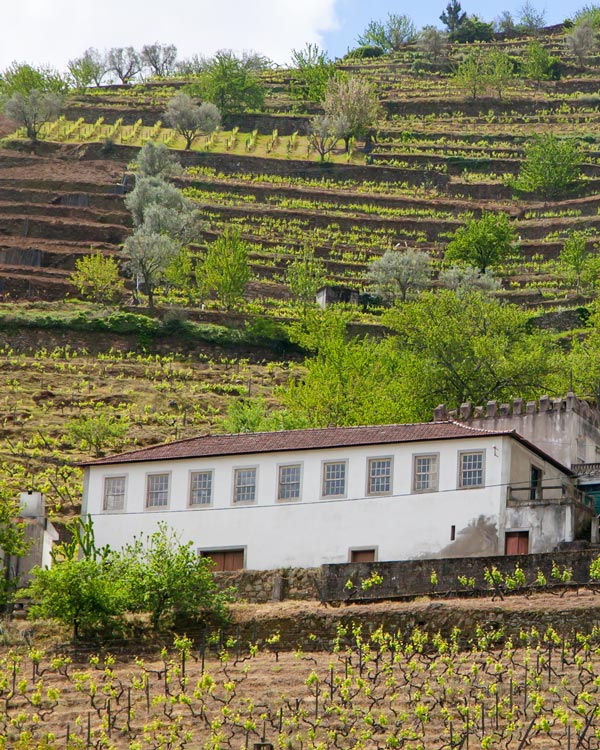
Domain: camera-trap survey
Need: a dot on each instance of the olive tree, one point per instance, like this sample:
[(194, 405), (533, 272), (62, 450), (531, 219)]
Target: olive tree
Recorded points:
[(323, 135), (398, 273), (433, 43), (148, 255), (153, 190), (160, 58), (155, 160), (33, 109), (190, 119), (124, 62), (582, 42), (352, 104)]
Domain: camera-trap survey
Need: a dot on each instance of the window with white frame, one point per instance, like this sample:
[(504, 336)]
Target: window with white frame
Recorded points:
[(244, 486), (334, 478), (379, 476), (425, 473), (201, 487), (288, 484), (114, 493), (157, 491), (471, 469)]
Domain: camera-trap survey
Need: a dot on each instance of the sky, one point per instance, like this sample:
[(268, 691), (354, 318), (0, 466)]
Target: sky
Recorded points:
[(55, 31)]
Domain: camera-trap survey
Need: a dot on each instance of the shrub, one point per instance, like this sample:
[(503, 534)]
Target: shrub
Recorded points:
[(552, 166)]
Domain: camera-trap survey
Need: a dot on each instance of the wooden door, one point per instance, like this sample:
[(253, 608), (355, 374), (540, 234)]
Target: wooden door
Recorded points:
[(516, 543), (362, 555), (225, 559)]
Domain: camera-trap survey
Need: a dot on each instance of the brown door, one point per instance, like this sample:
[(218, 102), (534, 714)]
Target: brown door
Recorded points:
[(516, 543), (225, 559), (362, 555)]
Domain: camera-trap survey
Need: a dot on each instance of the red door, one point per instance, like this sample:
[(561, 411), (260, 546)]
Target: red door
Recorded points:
[(362, 555), (516, 543)]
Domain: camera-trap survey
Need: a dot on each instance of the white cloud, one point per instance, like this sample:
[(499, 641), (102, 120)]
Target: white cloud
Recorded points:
[(54, 31)]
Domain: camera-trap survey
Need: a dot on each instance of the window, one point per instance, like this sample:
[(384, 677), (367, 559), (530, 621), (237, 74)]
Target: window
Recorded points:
[(425, 473), (380, 476), (244, 486), (334, 479), (114, 493), (288, 486), (535, 483), (225, 559), (157, 491), (201, 484), (471, 469)]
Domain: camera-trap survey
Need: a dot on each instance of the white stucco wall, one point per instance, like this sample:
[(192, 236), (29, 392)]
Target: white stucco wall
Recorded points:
[(313, 531)]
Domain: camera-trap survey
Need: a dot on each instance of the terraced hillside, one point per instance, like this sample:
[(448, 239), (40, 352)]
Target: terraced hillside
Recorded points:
[(438, 154)]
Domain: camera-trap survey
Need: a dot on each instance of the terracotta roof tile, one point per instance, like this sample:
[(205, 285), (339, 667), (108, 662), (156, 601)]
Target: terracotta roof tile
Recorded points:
[(292, 440)]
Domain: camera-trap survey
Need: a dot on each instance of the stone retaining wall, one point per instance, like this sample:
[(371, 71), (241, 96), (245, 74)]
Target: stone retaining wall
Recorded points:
[(261, 586)]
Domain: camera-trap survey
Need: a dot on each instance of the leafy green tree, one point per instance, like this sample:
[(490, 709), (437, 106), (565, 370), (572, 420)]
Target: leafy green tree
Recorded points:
[(102, 430), (189, 119), (304, 277), (500, 70), (312, 71), (84, 588), (390, 34), (347, 380), (169, 579), (90, 68), (33, 110), (398, 273), (538, 63), (505, 23), (582, 42), (21, 78), (352, 103), (468, 347), (453, 16), (230, 82), (254, 415), (160, 58), (471, 75), (97, 278), (584, 358), (225, 271), (156, 160), (577, 261), (482, 242), (473, 29), (552, 166)]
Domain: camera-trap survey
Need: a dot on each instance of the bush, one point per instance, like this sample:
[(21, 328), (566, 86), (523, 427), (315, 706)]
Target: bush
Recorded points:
[(364, 52), (552, 166)]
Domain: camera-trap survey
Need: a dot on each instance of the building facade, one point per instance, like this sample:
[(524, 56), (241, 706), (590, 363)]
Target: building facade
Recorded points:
[(302, 498)]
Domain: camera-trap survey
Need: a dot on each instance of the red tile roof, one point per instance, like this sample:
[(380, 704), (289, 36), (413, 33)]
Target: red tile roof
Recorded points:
[(313, 439)]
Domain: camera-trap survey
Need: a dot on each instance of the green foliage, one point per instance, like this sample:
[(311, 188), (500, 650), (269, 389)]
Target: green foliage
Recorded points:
[(148, 255), (150, 191), (576, 260), (90, 68), (304, 277), (539, 64), (323, 135), (253, 415), (169, 579), (225, 271), (21, 78), (433, 43), (530, 18), (500, 70), (398, 273), (468, 347), (231, 83), (471, 74), (13, 543), (552, 166), (102, 430), (588, 14), (312, 71), (189, 119), (364, 52), (155, 160), (472, 29), (96, 276), (482, 242), (33, 109), (453, 16), (389, 35), (353, 105)]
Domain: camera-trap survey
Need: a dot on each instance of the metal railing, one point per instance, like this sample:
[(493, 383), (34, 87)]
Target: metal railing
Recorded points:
[(546, 493)]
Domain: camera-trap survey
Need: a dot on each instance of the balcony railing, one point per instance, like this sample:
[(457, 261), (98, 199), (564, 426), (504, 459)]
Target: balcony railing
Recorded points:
[(586, 469), (553, 493)]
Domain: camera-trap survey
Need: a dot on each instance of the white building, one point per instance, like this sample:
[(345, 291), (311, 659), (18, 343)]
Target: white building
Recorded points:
[(301, 498)]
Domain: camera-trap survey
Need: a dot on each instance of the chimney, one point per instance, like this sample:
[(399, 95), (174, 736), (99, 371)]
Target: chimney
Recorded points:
[(440, 414)]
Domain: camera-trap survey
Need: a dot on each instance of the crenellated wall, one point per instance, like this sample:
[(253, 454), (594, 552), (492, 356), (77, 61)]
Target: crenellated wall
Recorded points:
[(566, 428)]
